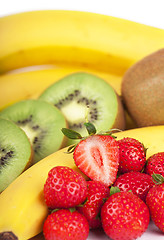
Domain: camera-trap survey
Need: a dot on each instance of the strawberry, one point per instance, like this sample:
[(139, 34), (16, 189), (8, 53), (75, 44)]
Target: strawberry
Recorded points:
[(155, 164), (155, 201), (64, 188), (139, 183), (95, 199), (124, 216), (97, 155), (64, 224), (132, 155)]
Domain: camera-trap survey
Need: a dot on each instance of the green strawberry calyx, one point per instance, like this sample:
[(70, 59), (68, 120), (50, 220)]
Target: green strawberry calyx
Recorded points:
[(157, 178), (114, 190), (91, 129), (72, 209)]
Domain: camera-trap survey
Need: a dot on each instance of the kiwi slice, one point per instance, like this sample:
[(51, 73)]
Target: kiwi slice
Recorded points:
[(42, 123), (15, 152), (81, 94)]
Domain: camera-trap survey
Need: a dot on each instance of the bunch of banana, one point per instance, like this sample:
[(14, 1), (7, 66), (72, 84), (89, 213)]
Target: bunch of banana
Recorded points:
[(22, 206), (58, 37), (66, 42), (72, 41)]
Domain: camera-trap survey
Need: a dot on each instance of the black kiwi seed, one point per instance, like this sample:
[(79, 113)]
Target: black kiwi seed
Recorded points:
[(76, 92), (35, 140), (70, 96), (6, 157), (35, 127)]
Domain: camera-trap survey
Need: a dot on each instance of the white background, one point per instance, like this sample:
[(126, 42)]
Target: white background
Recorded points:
[(149, 12)]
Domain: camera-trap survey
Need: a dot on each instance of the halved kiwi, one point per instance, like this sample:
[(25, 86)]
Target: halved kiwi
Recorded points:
[(42, 123), (15, 152), (81, 94)]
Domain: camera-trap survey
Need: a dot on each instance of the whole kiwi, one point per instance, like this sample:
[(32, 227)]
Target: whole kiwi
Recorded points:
[(143, 90)]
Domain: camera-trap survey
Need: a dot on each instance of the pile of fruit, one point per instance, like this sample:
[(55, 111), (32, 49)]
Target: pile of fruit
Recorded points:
[(82, 126), (120, 195)]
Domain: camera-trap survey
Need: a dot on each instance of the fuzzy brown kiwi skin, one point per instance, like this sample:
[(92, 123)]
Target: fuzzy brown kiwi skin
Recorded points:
[(130, 123), (120, 118), (142, 90)]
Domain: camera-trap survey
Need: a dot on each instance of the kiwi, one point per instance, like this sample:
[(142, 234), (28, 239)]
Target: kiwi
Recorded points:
[(42, 123), (143, 90), (15, 152), (82, 95)]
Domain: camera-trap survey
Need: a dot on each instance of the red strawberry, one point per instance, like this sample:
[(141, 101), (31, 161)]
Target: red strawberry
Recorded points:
[(139, 183), (64, 188), (155, 164), (124, 216), (97, 156), (64, 224), (155, 202), (92, 207), (132, 155)]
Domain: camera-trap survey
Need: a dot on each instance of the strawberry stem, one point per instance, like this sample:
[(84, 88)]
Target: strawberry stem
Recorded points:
[(157, 178), (72, 209)]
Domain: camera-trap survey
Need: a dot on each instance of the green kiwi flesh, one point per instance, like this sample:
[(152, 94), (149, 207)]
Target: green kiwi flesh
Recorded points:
[(143, 90), (42, 123), (15, 152), (82, 96)]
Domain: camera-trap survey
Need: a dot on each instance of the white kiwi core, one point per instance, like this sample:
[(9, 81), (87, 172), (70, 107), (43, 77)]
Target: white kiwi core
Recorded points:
[(74, 112), (31, 134)]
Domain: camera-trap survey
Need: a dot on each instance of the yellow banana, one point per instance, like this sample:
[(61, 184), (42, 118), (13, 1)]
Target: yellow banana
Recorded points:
[(22, 206), (60, 37), (24, 85)]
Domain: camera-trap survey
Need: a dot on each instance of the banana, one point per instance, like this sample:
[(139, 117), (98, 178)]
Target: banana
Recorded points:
[(17, 86), (22, 206), (58, 37)]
